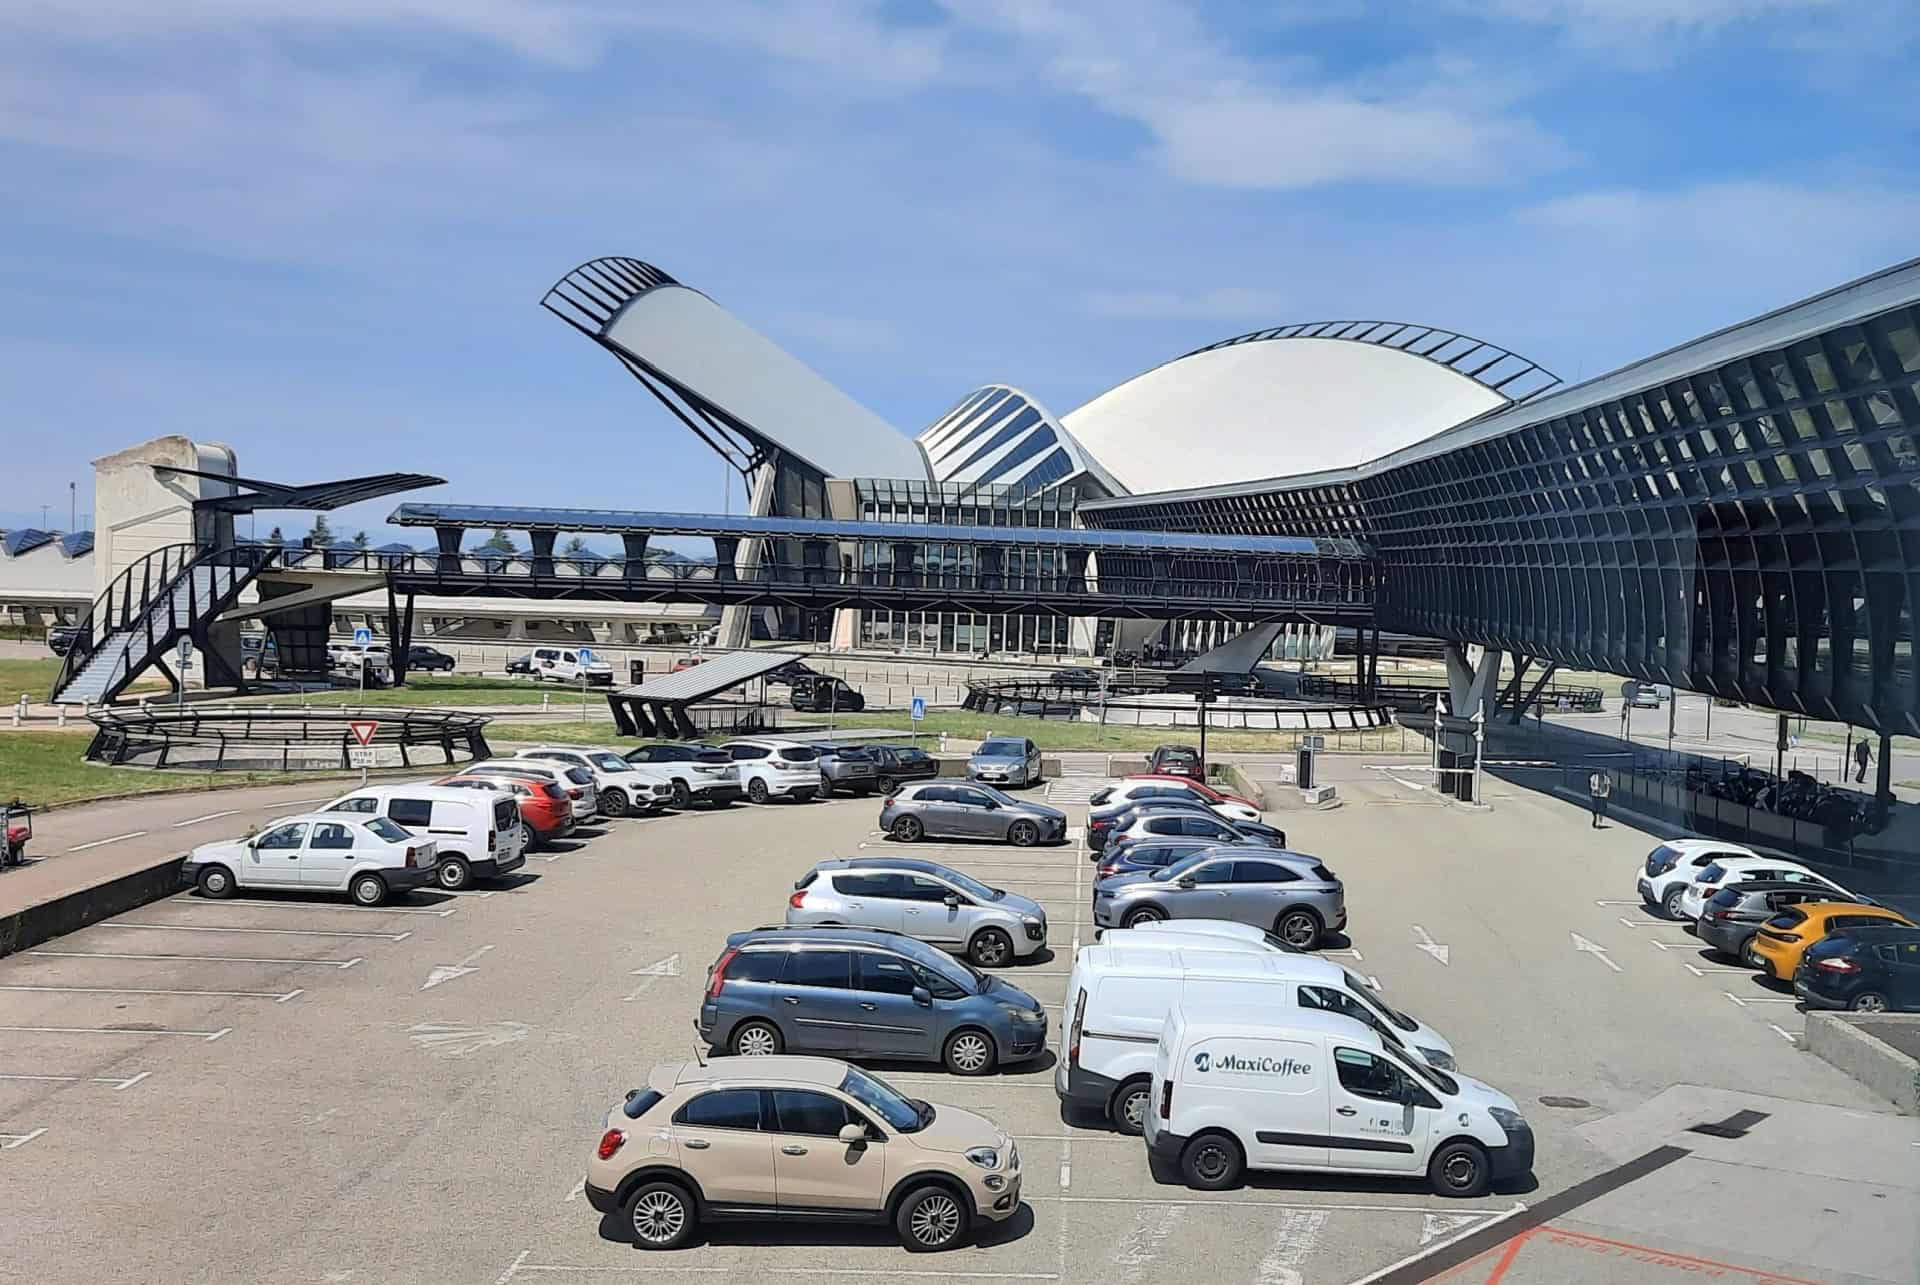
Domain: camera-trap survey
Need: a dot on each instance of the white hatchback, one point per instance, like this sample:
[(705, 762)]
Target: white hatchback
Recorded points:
[(368, 857), (1712, 877), (1672, 866)]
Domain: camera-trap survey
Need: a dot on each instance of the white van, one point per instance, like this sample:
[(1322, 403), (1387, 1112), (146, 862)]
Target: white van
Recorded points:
[(1429, 1045), (1321, 1092), (1118, 998), (477, 833), (563, 664)]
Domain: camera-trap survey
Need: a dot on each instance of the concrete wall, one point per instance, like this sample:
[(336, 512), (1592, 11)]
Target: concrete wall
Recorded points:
[(1853, 1043), (136, 511)]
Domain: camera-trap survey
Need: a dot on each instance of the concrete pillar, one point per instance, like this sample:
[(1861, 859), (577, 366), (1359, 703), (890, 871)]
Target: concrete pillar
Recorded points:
[(635, 547), (542, 551), (448, 538)]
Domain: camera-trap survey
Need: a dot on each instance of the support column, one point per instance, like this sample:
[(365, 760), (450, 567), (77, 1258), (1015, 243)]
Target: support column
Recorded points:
[(725, 549), (396, 648), (542, 552), (903, 572), (635, 546), (448, 538), (1473, 675)]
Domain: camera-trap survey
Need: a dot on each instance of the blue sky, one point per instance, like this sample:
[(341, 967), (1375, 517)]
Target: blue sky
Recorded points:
[(319, 229)]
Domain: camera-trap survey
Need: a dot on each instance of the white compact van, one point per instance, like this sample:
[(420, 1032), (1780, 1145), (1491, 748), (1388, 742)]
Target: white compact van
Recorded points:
[(1118, 998), (477, 834), (1320, 1092)]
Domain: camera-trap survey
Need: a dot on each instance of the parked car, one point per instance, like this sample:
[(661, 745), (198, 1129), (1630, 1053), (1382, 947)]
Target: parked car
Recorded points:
[(475, 835), (935, 903), (1105, 824), (520, 665), (790, 672), (1171, 822), (845, 767), (774, 769), (1673, 865), (259, 656), (1734, 913), (367, 857), (932, 810), (428, 659), (1075, 677), (687, 662), (1783, 940), (1289, 893), (824, 694), (1176, 760), (621, 786), (564, 665), (1133, 789), (1866, 969), (582, 794), (60, 638), (1321, 1092), (1708, 879), (1005, 760), (696, 773), (544, 807), (730, 1139), (859, 993), (1154, 855), (370, 663), (894, 765)]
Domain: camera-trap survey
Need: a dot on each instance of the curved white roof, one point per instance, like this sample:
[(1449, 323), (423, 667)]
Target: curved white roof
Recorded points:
[(1267, 408), (1000, 434)]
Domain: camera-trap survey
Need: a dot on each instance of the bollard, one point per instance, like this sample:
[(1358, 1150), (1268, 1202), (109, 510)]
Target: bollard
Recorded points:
[(60, 716), (546, 701), (20, 710)]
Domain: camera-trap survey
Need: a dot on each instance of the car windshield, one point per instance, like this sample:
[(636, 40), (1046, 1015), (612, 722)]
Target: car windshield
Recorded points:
[(387, 830), (1002, 749), (971, 886), (901, 1113), (1366, 996), (610, 763)]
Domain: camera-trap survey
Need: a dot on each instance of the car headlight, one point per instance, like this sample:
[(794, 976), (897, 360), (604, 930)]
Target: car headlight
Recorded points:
[(985, 1157), (1435, 1058), (1511, 1121), (1034, 920)]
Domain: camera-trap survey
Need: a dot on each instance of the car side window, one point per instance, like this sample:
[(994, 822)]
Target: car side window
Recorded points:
[(937, 984), (920, 888), (1212, 872), (1262, 872), (1329, 1000), (972, 798), (934, 794), (828, 968), (1162, 825), (1364, 1075), (722, 1109), (1888, 954), (283, 838), (331, 836), (747, 751), (884, 974), (756, 966), (356, 805), (1205, 827), (814, 1114), (410, 811)]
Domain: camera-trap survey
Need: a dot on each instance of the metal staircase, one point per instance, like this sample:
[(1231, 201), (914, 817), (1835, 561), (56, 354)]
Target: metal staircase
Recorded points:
[(174, 592)]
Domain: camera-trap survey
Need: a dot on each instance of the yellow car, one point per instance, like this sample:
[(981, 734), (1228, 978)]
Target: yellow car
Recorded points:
[(1785, 937)]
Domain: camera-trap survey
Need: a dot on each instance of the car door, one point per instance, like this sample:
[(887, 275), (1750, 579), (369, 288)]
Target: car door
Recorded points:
[(1201, 826), (974, 814), (812, 1168), (1902, 962), (897, 1026), (723, 1147), (273, 861), (925, 913), (817, 1005), (870, 898), (1258, 890), (328, 856), (933, 804), (1208, 898), (1372, 1125)]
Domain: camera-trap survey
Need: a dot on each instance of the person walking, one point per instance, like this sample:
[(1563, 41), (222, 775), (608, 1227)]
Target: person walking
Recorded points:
[(1862, 756), (1599, 786)]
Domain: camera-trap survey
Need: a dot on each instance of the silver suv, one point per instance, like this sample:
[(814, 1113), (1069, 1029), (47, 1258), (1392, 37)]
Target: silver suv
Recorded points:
[(958, 811), (1288, 894), (939, 905), (1005, 760)]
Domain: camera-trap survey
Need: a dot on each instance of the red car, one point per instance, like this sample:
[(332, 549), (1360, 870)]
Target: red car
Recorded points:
[(544, 806), (688, 662), (1201, 788)]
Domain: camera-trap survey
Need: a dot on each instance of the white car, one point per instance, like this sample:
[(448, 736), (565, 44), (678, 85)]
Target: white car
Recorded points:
[(773, 769), (582, 794), (699, 774), (1672, 866), (1126, 791), (348, 660), (623, 787), (367, 857), (1713, 876), (477, 834), (563, 664)]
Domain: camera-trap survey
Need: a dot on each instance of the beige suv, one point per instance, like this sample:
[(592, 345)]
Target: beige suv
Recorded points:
[(797, 1137)]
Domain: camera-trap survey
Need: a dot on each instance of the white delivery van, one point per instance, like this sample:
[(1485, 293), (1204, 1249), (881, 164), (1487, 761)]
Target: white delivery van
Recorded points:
[(477, 834), (1118, 998), (1321, 1092)]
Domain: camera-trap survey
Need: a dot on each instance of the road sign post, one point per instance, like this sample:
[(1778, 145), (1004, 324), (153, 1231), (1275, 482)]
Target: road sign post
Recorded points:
[(586, 659), (183, 656), (361, 755), (918, 713)]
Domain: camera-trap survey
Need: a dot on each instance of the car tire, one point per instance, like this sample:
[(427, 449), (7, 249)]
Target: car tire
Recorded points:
[(1299, 928), (661, 1215), (682, 795), (217, 882), (613, 802), (969, 1051), (1868, 1002), (755, 1039), (1143, 915), (1670, 903), (1127, 1110), (1023, 834), (1460, 1169), (886, 784), (757, 790), (909, 830), (368, 890), (1749, 956), (990, 948), (453, 874), (931, 1218), (1213, 1162)]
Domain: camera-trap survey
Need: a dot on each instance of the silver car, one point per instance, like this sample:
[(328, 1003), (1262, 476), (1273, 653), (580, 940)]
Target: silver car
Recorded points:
[(1288, 894), (935, 903), (958, 811), (1005, 760)]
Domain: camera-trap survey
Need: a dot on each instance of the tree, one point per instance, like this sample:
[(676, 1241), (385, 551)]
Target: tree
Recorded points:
[(322, 534), (360, 540), (576, 548), (276, 539), (498, 542)]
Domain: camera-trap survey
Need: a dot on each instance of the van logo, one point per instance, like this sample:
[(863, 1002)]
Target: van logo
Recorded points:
[(1232, 1062), (1201, 1062)]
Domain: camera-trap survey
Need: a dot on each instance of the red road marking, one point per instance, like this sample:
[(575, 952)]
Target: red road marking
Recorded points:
[(1667, 1258)]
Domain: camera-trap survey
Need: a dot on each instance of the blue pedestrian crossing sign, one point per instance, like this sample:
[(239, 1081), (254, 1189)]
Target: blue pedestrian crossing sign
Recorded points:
[(586, 655), (919, 708), (362, 636)]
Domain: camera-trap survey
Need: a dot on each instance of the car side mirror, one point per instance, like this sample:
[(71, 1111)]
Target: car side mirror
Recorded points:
[(923, 997), (1187, 882), (993, 805), (952, 900), (854, 1135)]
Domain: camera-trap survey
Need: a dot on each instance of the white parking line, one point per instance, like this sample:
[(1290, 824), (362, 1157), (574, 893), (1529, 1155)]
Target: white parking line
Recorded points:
[(276, 996), (1230, 1204), (208, 1036), (270, 932), (211, 816), (521, 1265), (8, 1141), (262, 904), (1745, 1000), (114, 1080), (211, 959), (101, 843), (1791, 1038), (1698, 971)]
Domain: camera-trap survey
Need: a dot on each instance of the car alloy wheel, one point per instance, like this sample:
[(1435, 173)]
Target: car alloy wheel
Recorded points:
[(908, 829), (970, 1053), (682, 796), (885, 784), (1869, 1002), (1023, 834), (1671, 902), (1144, 915), (935, 1220), (756, 1039), (757, 790), (1299, 929), (660, 1216), (991, 948), (613, 802)]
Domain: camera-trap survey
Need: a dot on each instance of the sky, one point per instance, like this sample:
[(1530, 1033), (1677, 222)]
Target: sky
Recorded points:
[(319, 230)]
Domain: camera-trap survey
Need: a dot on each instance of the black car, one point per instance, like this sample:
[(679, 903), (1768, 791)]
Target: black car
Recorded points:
[(792, 672), (1868, 970), (60, 638), (520, 665), (1734, 914), (823, 694), (894, 765), (1151, 856), (1176, 760), (428, 659), (1075, 676)]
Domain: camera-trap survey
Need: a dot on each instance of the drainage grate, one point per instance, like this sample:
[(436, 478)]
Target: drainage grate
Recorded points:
[(1570, 1104)]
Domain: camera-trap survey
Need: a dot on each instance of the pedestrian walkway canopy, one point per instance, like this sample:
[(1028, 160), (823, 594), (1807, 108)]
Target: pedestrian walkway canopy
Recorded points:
[(670, 694)]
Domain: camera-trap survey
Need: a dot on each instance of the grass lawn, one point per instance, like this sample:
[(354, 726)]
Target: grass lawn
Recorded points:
[(46, 767), (594, 731), (426, 690), (34, 677)]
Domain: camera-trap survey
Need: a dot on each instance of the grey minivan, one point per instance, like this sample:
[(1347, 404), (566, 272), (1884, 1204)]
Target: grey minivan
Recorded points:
[(861, 993), (957, 811)]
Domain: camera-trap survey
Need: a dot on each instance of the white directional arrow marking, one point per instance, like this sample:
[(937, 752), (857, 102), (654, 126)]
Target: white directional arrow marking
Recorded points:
[(1598, 951), (1437, 1225), (1424, 941), (668, 967), (443, 1039), (448, 972)]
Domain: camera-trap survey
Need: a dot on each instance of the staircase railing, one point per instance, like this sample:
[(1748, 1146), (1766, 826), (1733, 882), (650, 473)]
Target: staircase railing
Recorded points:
[(149, 583)]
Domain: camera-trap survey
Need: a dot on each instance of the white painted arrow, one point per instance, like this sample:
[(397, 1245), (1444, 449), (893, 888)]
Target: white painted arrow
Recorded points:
[(448, 1040), (668, 967), (448, 972), (1424, 941), (1437, 1225), (1598, 951)]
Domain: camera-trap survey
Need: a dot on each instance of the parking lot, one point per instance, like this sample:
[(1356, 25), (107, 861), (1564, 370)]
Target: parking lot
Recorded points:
[(288, 1088)]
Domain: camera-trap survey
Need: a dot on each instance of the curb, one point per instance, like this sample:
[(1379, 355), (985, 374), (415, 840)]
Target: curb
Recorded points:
[(1837, 1039), (75, 910)]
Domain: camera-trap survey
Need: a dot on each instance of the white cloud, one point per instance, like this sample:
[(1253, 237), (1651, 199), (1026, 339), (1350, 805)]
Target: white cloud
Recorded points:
[(1647, 16), (1221, 303), (1764, 226)]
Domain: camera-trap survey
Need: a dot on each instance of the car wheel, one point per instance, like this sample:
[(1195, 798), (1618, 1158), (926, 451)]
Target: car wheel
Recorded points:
[(453, 874), (1128, 1110), (755, 1039), (886, 784), (1868, 1002), (661, 1215), (1749, 956), (1144, 915), (613, 802), (217, 882), (1459, 1169), (990, 948), (368, 890), (969, 1052), (1023, 834), (930, 1219), (1300, 929), (1212, 1162), (757, 790), (909, 829), (682, 794), (1670, 903)]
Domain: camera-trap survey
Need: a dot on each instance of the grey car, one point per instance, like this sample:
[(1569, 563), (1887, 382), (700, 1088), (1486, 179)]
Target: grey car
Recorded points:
[(956, 811), (1733, 915), (935, 903), (857, 993), (845, 767), (1148, 824), (1005, 760), (1288, 894)]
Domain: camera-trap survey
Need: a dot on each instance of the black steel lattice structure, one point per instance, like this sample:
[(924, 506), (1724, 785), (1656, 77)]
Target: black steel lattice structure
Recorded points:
[(1739, 515), (1500, 370)]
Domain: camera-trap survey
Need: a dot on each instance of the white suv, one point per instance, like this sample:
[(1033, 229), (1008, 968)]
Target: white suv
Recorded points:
[(624, 787), (563, 664), (1673, 865), (777, 769)]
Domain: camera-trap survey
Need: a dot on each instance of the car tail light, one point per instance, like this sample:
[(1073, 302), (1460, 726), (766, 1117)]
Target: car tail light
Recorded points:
[(1838, 965), (1073, 1035), (576, 794), (610, 1141), (1104, 871), (718, 977), (1166, 1098), (493, 840), (411, 854), (797, 899)]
